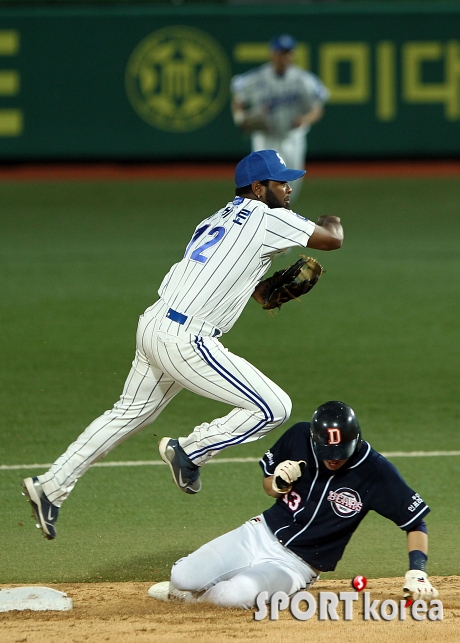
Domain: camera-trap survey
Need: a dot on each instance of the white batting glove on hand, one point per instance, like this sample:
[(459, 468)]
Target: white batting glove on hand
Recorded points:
[(286, 473), (417, 585)]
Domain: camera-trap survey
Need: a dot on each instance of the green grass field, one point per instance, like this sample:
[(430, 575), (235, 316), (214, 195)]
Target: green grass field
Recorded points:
[(80, 262)]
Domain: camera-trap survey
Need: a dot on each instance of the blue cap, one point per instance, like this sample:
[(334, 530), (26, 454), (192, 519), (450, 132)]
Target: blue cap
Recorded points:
[(263, 165), (285, 42)]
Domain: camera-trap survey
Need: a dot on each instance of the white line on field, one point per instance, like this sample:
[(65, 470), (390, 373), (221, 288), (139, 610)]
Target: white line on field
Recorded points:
[(149, 463)]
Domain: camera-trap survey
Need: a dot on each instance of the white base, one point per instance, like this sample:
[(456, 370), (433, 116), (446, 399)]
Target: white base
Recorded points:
[(160, 591), (34, 598)]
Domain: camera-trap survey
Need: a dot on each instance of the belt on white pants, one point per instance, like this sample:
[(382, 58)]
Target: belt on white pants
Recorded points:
[(193, 325)]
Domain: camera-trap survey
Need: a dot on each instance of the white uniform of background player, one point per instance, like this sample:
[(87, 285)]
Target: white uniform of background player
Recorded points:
[(178, 344), (277, 103)]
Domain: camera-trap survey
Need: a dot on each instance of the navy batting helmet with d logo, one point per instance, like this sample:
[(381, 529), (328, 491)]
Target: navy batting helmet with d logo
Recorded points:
[(335, 431)]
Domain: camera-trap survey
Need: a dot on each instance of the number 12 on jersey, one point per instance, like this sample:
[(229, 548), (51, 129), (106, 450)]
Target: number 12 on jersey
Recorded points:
[(197, 255)]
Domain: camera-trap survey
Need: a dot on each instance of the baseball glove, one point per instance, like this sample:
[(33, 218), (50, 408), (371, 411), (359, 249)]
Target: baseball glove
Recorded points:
[(291, 283)]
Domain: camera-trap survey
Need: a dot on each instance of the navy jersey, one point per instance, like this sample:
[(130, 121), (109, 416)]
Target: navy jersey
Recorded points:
[(317, 518)]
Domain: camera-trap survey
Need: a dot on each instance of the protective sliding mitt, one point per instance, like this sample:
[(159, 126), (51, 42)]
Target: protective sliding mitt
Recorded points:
[(286, 473), (417, 585)]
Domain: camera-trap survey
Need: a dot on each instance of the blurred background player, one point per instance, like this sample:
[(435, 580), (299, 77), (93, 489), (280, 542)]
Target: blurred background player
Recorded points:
[(326, 479), (277, 103)]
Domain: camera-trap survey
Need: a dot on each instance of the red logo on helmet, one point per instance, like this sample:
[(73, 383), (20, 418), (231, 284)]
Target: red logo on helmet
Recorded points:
[(335, 436)]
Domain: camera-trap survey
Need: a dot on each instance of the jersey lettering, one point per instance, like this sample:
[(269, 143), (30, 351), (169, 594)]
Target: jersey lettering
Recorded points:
[(334, 436), (417, 501), (217, 233), (269, 456), (226, 211), (292, 499), (241, 216)]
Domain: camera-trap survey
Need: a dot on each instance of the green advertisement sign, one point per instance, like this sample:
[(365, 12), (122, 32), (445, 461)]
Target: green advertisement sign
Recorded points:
[(153, 83)]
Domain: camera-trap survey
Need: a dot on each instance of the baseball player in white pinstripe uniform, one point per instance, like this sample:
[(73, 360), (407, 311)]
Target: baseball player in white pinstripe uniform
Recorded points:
[(277, 103), (178, 344)]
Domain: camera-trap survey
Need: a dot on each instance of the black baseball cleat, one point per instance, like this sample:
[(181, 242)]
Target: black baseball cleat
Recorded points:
[(186, 474), (44, 512)]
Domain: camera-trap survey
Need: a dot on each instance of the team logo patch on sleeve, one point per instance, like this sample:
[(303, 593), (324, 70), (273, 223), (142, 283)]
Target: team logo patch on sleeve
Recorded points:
[(345, 502)]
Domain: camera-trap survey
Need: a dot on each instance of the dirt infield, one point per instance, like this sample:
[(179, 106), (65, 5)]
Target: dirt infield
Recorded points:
[(123, 612), (196, 171)]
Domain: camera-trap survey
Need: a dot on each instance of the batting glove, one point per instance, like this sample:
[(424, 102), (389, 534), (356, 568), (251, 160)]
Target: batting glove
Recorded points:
[(417, 585), (286, 473)]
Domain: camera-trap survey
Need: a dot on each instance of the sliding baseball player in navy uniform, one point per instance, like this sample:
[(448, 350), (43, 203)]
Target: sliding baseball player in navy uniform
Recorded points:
[(326, 479), (178, 346)]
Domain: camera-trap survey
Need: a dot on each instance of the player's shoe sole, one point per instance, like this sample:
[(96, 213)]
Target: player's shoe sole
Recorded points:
[(186, 475), (167, 592), (44, 512)]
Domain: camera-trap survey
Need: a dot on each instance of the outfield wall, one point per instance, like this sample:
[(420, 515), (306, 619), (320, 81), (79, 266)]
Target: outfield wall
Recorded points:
[(152, 83)]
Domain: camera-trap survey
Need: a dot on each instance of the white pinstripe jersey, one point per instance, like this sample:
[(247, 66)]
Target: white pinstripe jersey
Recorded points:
[(226, 258), (280, 99)]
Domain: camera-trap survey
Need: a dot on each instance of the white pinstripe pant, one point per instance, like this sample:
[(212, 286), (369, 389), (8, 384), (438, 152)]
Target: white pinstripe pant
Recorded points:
[(163, 365)]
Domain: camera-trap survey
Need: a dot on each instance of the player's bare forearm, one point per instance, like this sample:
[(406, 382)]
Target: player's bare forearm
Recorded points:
[(328, 234), (332, 224), (267, 482), (417, 540)]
